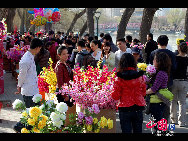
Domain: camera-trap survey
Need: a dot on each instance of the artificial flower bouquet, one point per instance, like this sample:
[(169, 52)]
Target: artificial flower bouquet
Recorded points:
[(50, 118), (88, 121), (91, 86), (47, 118), (16, 52), (47, 79)]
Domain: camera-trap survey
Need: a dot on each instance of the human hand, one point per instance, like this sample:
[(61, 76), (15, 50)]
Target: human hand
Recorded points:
[(19, 90)]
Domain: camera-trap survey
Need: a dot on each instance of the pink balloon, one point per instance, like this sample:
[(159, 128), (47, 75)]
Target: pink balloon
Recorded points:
[(38, 12)]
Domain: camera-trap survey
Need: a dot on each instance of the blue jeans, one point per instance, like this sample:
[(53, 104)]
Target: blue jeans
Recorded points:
[(131, 121)]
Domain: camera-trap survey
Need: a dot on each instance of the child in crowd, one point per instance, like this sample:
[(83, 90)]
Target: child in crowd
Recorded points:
[(130, 89)]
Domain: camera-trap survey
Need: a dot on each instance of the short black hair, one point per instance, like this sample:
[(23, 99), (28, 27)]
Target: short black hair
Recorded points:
[(81, 43), (121, 40), (150, 35), (36, 42), (107, 37), (60, 49), (129, 38), (183, 47), (162, 40)]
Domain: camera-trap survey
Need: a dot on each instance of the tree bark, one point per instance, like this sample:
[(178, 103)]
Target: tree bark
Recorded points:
[(146, 23), (90, 20), (124, 21), (83, 29), (186, 26), (10, 18), (76, 17)]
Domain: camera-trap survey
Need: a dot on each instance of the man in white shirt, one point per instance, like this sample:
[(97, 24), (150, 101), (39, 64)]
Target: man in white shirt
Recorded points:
[(27, 78), (122, 49)]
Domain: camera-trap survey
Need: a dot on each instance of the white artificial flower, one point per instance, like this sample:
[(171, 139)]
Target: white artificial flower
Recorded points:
[(55, 117), (42, 107), (37, 98), (63, 116), (49, 103), (62, 107), (17, 104), (58, 123)]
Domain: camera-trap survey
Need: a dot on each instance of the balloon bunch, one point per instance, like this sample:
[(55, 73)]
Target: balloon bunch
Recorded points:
[(44, 15)]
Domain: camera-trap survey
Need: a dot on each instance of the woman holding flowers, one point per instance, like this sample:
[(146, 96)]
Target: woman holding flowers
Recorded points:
[(130, 89), (162, 64), (63, 72)]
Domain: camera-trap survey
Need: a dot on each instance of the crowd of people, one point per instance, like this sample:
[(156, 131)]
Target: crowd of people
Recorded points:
[(130, 88)]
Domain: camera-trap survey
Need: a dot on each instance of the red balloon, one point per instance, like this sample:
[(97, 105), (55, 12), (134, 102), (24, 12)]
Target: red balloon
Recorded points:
[(56, 16)]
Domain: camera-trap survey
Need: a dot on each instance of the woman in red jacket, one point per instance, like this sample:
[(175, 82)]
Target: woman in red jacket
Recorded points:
[(130, 89), (64, 74)]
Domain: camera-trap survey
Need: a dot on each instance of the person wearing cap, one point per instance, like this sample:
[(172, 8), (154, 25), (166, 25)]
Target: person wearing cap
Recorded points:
[(137, 55)]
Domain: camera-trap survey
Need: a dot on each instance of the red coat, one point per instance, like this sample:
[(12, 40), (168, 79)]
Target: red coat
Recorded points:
[(129, 92), (63, 74)]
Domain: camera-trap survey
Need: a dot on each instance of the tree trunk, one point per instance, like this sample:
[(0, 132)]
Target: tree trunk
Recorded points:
[(83, 29), (146, 23), (10, 18), (22, 17), (124, 21), (90, 20), (3, 13), (186, 26), (76, 17)]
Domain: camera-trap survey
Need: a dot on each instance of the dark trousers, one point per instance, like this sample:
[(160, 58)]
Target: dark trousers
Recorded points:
[(157, 110), (131, 121), (28, 101)]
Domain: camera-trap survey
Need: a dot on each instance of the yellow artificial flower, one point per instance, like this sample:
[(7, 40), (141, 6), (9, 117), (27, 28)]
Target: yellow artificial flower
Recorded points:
[(31, 121), (142, 66), (36, 130), (24, 130), (41, 124), (95, 120), (45, 118), (35, 112), (179, 40), (110, 123), (97, 130), (89, 127), (103, 122), (24, 114)]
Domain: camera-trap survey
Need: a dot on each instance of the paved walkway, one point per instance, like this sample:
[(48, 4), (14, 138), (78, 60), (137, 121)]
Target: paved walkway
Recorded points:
[(10, 117)]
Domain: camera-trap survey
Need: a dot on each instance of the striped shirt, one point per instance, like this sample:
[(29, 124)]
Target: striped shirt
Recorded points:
[(160, 82)]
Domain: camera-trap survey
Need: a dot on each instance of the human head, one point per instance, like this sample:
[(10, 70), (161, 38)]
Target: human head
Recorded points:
[(121, 43), (36, 45), (62, 53), (162, 62), (51, 34), (149, 36), (94, 45), (162, 40), (107, 38), (136, 53), (106, 48), (127, 60), (183, 47), (129, 38), (80, 45)]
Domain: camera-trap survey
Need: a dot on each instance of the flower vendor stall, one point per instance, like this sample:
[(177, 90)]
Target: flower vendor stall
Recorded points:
[(15, 55), (49, 117), (93, 86)]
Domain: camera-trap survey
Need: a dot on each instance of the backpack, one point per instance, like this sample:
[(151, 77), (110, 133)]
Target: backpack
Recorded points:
[(88, 60)]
